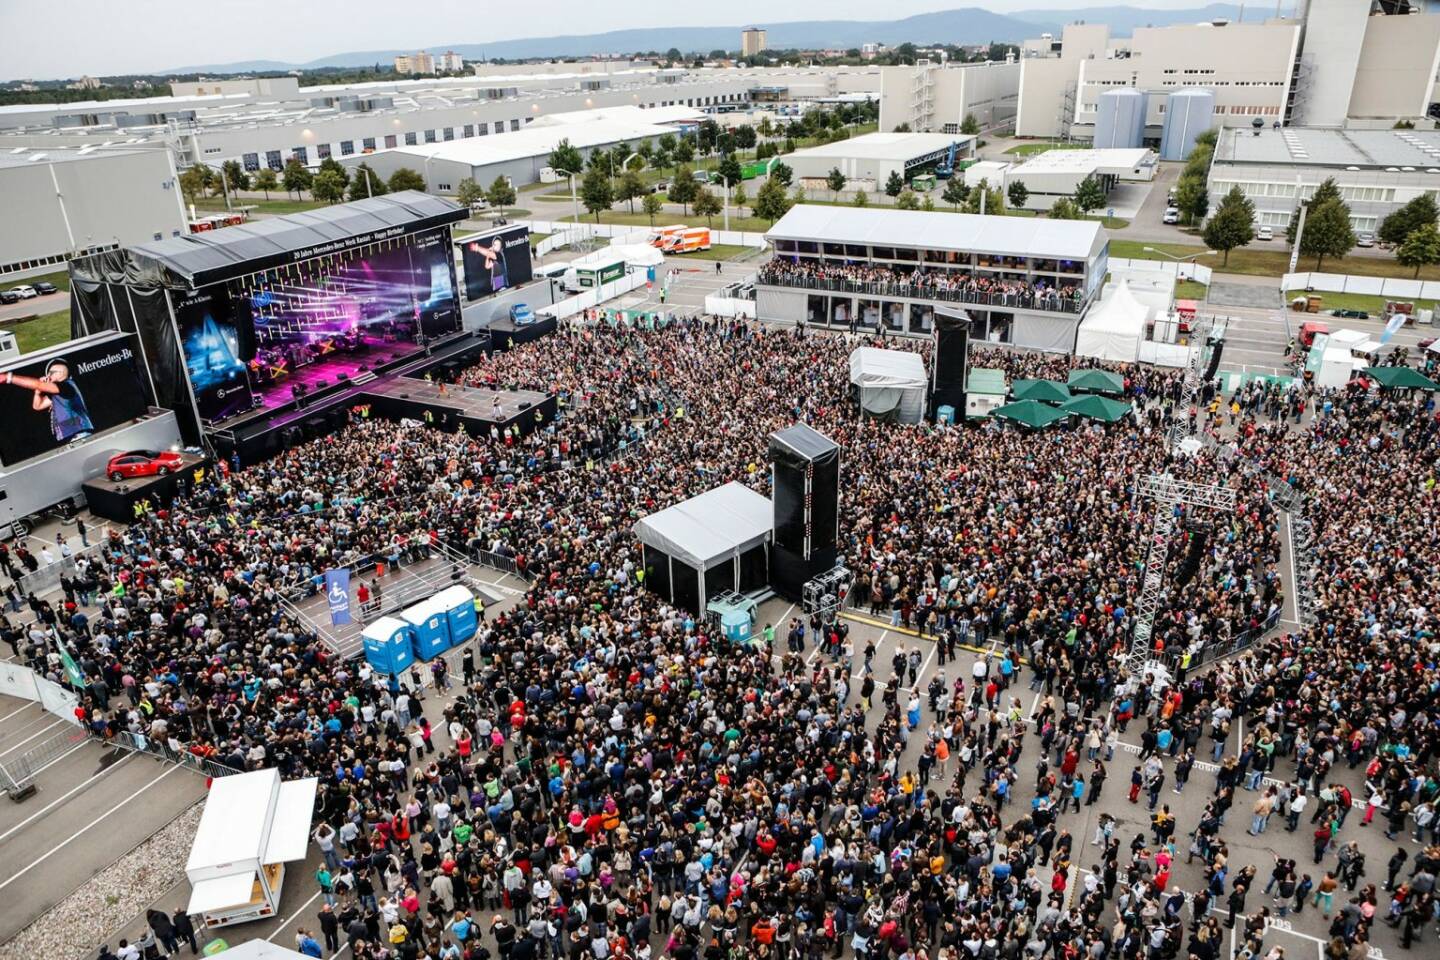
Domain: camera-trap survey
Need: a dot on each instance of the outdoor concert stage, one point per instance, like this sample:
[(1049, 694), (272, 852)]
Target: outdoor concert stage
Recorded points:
[(477, 409)]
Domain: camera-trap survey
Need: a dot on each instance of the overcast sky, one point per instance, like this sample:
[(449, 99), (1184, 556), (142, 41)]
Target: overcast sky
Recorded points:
[(46, 39)]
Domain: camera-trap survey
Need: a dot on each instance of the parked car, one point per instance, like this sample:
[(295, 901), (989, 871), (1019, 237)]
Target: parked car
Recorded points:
[(142, 463), (1265, 233), (1172, 215), (521, 315), (9, 296), (24, 291), (1365, 239), (45, 289), (660, 186)]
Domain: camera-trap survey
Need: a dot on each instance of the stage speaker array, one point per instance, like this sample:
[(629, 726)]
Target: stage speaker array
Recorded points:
[(1215, 349), (951, 360), (805, 474)]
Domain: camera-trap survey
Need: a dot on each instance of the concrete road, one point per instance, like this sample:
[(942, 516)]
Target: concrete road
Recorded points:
[(35, 306)]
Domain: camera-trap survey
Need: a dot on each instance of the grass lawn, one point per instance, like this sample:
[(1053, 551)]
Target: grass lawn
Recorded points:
[(1030, 149), (1191, 290), (49, 326), (720, 251), (1372, 305), (217, 205), (1260, 260)]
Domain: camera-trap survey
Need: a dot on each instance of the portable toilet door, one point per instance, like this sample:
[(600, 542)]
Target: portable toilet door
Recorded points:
[(387, 645), (431, 628), (459, 606)]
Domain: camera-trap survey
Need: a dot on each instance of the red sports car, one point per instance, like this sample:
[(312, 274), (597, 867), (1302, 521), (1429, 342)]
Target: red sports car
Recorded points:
[(142, 463)]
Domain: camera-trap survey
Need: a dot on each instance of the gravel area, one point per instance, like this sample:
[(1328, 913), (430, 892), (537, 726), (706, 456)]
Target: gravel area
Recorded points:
[(112, 901)]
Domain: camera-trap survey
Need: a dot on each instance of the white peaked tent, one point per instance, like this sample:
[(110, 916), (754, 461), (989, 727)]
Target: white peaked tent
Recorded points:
[(890, 382), (1114, 328), (710, 543)]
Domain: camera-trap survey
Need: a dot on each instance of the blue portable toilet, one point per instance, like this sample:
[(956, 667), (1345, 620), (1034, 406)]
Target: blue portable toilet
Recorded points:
[(945, 414), (735, 624), (430, 627), (459, 606), (388, 647)]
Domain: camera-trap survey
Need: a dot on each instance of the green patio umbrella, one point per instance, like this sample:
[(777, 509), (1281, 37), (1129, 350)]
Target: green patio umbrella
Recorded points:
[(1097, 408), (1097, 381), (1048, 391), (1400, 378), (1030, 413)]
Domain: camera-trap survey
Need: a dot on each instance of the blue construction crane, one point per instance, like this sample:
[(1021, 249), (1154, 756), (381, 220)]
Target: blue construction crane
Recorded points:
[(945, 169)]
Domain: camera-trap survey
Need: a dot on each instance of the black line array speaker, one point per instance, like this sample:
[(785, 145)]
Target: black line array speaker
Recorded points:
[(805, 469), (951, 360), (1215, 349)]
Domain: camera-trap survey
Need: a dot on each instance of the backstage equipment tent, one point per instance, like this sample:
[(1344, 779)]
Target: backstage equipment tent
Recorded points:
[(1114, 328), (706, 545), (890, 383), (1046, 391), (1096, 381), (1400, 378), (252, 826), (985, 389), (1097, 408), (1336, 368), (1030, 413)]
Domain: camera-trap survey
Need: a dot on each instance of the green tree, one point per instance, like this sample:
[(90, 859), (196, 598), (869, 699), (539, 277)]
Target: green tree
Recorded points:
[(765, 128), (683, 188), (970, 126), (1089, 195), (295, 177), (1396, 228), (894, 184), (728, 170), (927, 204), (406, 179), (994, 199), (598, 160), (596, 192), (782, 172), (745, 137), (667, 142), (836, 181), (902, 128), (1192, 198), (955, 192), (1327, 190), (1065, 209), (328, 187), (1018, 193), (331, 165), (1327, 231), (467, 192), (771, 203), (707, 205), (235, 176), (1208, 138), (862, 199), (739, 198), (652, 205), (265, 181), (798, 196), (1420, 249), (1232, 225), (367, 183), (566, 159), (629, 187), (193, 182), (684, 150), (907, 200), (500, 194)]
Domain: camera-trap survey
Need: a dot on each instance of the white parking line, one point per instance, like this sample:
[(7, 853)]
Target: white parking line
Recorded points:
[(11, 748), (59, 800), (14, 712), (74, 836)]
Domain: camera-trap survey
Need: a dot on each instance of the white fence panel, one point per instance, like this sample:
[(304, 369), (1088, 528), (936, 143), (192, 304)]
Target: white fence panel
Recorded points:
[(1404, 289), (1430, 290), (1295, 281), (57, 700), (1369, 286), (23, 683), (1164, 354), (1333, 282), (730, 307), (590, 298), (18, 681)]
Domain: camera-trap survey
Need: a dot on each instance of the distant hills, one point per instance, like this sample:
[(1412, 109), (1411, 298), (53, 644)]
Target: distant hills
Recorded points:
[(970, 25)]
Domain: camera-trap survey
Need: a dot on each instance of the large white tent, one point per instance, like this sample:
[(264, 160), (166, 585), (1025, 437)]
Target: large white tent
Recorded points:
[(890, 382), (1114, 327), (716, 541)]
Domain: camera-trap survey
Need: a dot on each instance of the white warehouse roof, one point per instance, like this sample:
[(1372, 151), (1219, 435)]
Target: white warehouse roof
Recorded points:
[(885, 146), (960, 232), (1114, 160)]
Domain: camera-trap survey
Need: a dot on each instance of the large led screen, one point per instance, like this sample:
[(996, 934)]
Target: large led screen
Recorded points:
[(496, 261)]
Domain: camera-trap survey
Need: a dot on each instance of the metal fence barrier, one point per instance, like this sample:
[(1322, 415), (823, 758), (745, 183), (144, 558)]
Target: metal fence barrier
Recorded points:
[(47, 578), (139, 743), (1028, 300), (17, 774)]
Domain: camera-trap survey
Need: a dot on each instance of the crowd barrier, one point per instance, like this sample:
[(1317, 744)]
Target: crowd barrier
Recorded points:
[(1388, 287), (570, 306), (730, 307), (1180, 271), (47, 578), (1026, 301), (18, 771)]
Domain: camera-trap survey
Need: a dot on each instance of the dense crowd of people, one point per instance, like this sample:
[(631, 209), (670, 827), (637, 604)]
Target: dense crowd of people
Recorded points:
[(934, 283), (598, 776)]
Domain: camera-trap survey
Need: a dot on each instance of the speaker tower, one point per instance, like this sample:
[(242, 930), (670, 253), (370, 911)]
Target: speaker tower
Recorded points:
[(805, 474)]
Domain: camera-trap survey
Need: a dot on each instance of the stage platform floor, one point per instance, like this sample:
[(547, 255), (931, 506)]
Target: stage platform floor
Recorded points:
[(477, 403), (329, 370)]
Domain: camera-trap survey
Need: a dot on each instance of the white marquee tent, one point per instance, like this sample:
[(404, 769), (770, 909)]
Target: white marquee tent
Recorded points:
[(891, 383), (716, 541), (1114, 328)]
